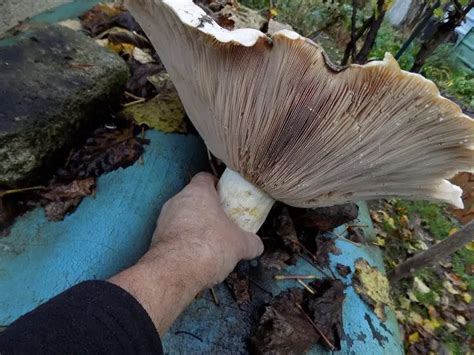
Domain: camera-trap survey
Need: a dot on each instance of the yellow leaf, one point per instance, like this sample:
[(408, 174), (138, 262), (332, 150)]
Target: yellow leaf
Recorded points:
[(379, 241), (163, 114), (273, 12), (404, 221), (373, 287), (452, 231), (450, 288), (121, 48), (413, 338), (469, 246), (438, 12), (467, 297), (415, 318)]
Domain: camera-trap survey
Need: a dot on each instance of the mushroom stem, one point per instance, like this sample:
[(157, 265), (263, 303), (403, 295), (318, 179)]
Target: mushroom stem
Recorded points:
[(244, 203)]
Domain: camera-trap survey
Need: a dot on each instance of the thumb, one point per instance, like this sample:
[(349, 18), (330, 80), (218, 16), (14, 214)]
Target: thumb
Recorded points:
[(253, 246)]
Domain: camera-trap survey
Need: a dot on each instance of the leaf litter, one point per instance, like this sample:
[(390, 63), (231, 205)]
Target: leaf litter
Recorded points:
[(296, 320)]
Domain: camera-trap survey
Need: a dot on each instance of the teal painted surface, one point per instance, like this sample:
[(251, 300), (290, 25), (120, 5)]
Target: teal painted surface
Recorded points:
[(465, 49), (106, 234), (60, 13), (66, 11), (207, 328)]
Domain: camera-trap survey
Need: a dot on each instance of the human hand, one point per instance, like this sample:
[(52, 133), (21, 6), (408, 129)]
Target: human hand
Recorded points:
[(195, 245), (194, 225)]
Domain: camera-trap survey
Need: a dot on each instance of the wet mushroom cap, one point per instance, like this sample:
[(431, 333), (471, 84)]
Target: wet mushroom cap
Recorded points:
[(301, 129)]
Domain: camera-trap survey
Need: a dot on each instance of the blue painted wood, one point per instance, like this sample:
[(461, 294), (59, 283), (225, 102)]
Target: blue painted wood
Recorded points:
[(207, 328), (39, 259)]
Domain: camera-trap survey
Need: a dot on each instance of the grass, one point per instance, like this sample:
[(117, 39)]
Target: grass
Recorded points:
[(461, 259), (432, 214)]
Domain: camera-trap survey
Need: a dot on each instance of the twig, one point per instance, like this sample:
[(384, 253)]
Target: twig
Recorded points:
[(214, 296), (309, 289), (349, 241), (25, 189), (134, 103), (312, 262), (313, 257), (357, 225), (331, 346), (135, 97), (294, 277)]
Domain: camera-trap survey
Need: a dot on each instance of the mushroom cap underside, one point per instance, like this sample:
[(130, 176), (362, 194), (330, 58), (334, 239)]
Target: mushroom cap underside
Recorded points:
[(305, 131)]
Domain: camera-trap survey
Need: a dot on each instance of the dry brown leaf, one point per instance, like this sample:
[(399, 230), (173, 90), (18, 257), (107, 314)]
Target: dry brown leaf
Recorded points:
[(240, 287), (63, 198)]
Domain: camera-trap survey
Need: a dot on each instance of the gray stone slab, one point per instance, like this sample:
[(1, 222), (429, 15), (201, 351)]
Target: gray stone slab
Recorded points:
[(13, 11), (53, 82)]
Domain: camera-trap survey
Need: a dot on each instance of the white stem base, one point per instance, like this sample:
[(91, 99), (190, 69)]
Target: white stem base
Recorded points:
[(245, 204)]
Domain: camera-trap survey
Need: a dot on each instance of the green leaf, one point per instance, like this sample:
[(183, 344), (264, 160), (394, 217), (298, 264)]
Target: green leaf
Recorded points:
[(438, 12)]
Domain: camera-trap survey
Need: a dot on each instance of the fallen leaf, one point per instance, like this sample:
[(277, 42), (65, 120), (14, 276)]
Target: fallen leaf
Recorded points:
[(430, 325), (470, 246), (141, 56), (117, 35), (325, 246), (456, 280), (467, 297), (326, 307), (285, 230), (404, 221), (74, 25), (420, 286), (433, 313), (373, 287), (414, 338), (400, 316), (100, 17), (356, 234), (324, 219), (283, 329), (412, 296), (278, 259), (121, 48), (163, 113), (138, 84), (466, 182), (452, 231), (240, 287), (450, 327), (281, 243), (126, 20), (450, 288), (415, 318), (235, 17), (379, 241), (461, 320), (343, 270), (105, 151), (64, 198), (404, 302), (295, 320)]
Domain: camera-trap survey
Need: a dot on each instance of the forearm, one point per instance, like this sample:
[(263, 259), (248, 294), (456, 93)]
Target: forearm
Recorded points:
[(163, 284)]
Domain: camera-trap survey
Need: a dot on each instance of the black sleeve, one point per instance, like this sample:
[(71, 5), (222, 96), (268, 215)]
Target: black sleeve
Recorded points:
[(94, 317)]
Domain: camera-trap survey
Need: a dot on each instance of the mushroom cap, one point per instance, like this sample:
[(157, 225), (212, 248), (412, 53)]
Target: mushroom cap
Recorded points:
[(305, 131)]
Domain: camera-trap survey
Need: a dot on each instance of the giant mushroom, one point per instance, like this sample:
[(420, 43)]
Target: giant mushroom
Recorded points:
[(290, 126)]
